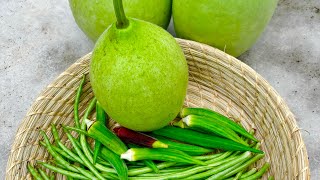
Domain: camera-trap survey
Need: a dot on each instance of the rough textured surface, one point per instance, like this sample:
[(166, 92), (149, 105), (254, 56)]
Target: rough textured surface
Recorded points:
[(39, 40)]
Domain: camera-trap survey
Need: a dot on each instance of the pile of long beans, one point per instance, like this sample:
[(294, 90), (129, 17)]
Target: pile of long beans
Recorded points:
[(201, 144)]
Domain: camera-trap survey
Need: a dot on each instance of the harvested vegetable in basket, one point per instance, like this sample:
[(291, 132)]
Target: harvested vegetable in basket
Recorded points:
[(187, 148), (171, 153), (130, 136), (217, 117), (201, 139), (100, 116), (135, 154)]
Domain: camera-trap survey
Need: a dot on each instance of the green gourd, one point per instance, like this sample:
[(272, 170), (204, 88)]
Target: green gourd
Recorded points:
[(232, 26), (94, 16), (138, 73)]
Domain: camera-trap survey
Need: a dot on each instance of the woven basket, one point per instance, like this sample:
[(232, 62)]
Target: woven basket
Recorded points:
[(217, 81)]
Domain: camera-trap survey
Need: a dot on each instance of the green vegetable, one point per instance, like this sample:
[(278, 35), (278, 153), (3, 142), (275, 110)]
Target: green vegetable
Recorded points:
[(217, 117), (94, 17), (142, 81), (258, 174), (232, 26), (63, 147), (148, 163), (137, 171), (100, 116), (166, 172), (83, 157), (178, 175), (34, 172), (43, 174), (100, 132), (243, 157), (75, 158), (135, 154), (83, 141), (238, 175), (79, 160), (65, 172), (213, 156), (248, 173), (52, 177), (187, 148), (203, 123), (114, 159), (205, 140), (77, 101), (236, 168), (271, 178), (151, 164), (55, 155)]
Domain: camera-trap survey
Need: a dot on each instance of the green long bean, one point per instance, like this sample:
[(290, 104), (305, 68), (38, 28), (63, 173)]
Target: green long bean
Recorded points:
[(34, 172), (218, 169), (77, 101), (258, 174), (83, 141), (62, 146), (43, 174), (82, 156), (233, 170), (137, 171), (102, 167), (63, 171), (54, 154), (248, 173)]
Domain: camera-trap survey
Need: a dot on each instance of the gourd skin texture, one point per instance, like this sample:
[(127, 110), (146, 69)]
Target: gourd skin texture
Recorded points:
[(230, 25), (94, 16), (139, 75)]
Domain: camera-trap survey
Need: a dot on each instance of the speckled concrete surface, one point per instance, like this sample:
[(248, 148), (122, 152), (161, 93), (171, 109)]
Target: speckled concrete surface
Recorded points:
[(39, 39)]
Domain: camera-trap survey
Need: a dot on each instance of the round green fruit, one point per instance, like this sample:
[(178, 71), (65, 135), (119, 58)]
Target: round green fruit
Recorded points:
[(94, 16), (230, 25), (139, 75)]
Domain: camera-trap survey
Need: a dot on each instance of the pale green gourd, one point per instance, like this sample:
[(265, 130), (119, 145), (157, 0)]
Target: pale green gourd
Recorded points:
[(94, 16), (138, 73)]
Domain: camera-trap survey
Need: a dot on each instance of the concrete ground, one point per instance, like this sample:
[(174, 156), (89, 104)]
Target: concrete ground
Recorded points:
[(39, 39)]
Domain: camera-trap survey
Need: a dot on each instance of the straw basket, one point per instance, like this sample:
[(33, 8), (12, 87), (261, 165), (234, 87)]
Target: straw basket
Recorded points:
[(217, 81)]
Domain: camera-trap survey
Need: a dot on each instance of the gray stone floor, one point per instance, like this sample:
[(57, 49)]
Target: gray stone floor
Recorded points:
[(39, 39)]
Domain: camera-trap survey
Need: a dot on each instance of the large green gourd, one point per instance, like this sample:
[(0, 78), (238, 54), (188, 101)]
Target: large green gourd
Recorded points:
[(138, 73), (230, 25), (94, 16)]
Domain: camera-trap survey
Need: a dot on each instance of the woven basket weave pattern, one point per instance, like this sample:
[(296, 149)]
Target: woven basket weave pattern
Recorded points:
[(216, 81)]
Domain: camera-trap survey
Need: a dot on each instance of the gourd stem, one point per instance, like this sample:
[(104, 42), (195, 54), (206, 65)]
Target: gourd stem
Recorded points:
[(122, 21)]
